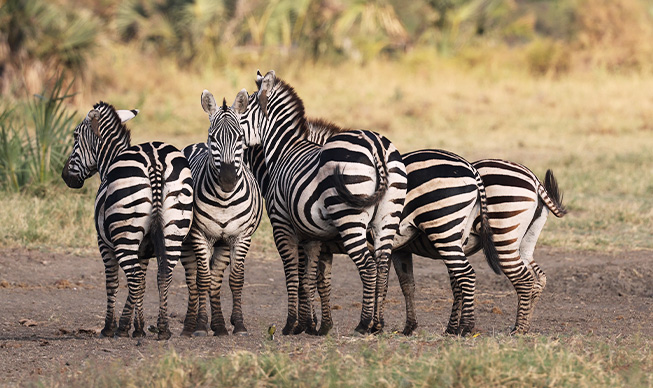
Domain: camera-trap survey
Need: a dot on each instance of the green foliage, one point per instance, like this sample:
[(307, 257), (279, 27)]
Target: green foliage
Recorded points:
[(39, 38), (33, 152)]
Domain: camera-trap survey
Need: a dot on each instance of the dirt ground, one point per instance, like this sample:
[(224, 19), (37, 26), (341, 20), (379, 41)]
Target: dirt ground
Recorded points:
[(52, 306)]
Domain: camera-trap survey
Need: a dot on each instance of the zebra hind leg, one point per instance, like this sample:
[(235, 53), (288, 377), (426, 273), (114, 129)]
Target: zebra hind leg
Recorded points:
[(463, 285), (111, 269), (164, 278), (139, 317), (135, 284)]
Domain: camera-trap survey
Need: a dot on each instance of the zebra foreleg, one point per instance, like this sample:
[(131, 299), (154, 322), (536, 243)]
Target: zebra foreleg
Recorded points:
[(203, 251), (219, 263), (236, 282), (111, 269), (289, 251), (403, 263)]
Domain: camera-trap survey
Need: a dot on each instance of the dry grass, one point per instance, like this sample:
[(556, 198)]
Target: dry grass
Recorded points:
[(576, 361), (594, 130)]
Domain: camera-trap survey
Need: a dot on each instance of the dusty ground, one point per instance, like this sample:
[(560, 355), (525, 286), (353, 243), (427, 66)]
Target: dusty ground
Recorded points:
[(60, 300)]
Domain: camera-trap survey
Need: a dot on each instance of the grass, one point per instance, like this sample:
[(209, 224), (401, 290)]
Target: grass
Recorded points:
[(594, 130), (393, 360)]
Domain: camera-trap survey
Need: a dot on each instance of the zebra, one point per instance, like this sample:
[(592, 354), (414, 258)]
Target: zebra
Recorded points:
[(441, 188), (518, 206), (228, 210), (143, 208), (334, 192), (444, 193)]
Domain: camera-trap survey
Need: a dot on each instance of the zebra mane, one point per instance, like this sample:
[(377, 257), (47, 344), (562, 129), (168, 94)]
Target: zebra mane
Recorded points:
[(320, 130), (294, 99), (120, 128)]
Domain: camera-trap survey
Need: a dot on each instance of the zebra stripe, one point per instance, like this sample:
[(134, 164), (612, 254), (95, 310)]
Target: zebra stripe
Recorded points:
[(356, 181), (518, 206), (228, 210), (143, 208), (444, 194)]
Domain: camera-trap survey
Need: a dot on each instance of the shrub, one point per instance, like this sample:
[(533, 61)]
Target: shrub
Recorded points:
[(34, 146)]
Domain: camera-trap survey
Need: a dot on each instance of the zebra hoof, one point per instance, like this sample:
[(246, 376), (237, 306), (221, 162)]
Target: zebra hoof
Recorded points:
[(289, 328), (186, 333), (325, 328), (220, 331), (200, 333), (240, 330), (361, 329), (138, 334), (409, 329), (164, 335), (121, 334), (107, 333)]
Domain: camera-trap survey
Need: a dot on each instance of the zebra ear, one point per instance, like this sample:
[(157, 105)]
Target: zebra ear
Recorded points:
[(240, 103), (126, 115), (208, 103), (266, 84), (94, 117), (259, 79)]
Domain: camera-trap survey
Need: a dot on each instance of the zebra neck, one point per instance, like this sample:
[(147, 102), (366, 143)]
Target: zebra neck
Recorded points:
[(109, 149), (282, 138)]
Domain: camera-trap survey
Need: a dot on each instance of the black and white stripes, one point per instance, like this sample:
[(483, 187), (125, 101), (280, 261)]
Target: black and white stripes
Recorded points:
[(336, 192), (143, 208), (228, 209)]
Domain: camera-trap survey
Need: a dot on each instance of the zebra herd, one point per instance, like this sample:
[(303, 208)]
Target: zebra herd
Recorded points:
[(327, 190)]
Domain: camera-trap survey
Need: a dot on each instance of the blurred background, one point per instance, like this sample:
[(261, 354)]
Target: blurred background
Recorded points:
[(561, 84)]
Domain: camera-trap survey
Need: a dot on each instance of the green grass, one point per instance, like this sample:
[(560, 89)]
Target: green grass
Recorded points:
[(396, 361)]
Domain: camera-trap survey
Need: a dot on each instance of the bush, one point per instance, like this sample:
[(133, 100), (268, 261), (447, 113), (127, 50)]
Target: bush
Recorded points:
[(34, 146)]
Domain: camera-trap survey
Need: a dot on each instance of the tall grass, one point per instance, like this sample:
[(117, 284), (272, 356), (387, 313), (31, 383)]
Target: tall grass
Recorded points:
[(35, 140)]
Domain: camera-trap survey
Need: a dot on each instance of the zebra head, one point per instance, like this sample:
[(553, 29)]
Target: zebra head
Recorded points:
[(252, 119), (88, 138), (225, 141)]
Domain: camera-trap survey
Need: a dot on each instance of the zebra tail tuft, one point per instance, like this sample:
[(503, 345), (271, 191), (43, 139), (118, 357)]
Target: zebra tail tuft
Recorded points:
[(362, 201), (553, 194), (487, 240)]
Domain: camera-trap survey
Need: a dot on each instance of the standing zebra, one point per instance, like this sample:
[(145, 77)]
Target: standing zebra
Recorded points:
[(518, 206), (445, 192), (356, 181), (228, 209), (144, 207)]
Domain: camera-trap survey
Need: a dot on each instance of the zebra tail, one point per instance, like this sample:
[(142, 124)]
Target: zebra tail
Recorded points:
[(363, 201), (487, 240), (551, 195), (156, 225)]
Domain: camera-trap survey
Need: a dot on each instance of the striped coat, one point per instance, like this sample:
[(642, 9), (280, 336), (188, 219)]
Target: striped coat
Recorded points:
[(356, 181), (143, 208), (228, 210)]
